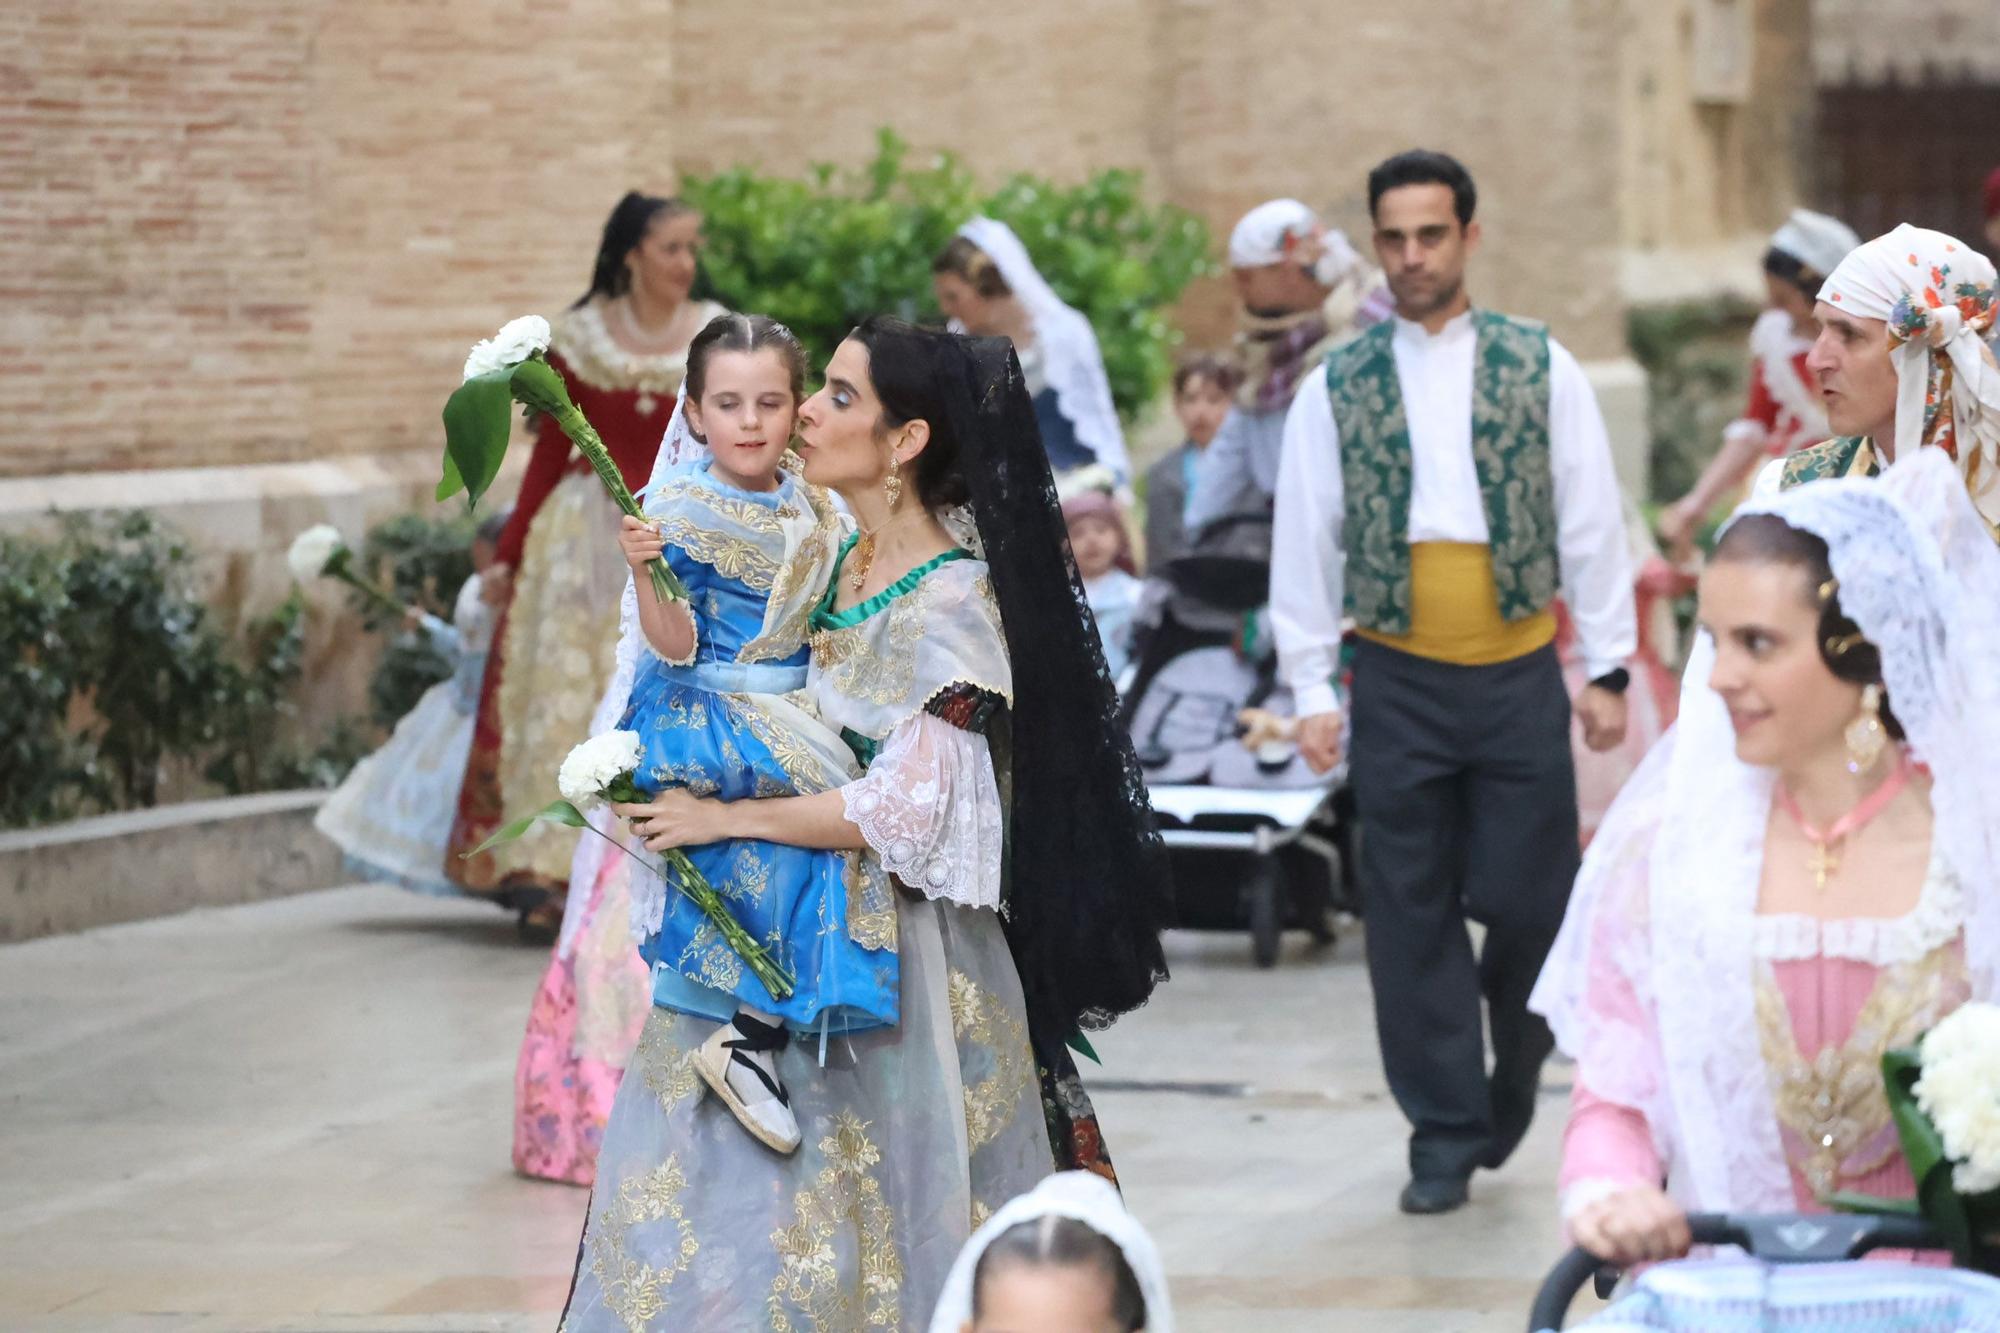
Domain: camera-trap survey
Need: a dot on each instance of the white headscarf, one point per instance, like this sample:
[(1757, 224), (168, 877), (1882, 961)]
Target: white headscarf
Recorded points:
[(1087, 1198), (1071, 360), (1815, 240), (1937, 295), (1664, 906), (1278, 229)]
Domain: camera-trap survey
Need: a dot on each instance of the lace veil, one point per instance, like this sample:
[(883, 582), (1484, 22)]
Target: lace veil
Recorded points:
[(1071, 358), (1650, 985)]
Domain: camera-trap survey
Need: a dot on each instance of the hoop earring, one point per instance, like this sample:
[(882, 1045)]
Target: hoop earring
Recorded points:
[(894, 485), (1866, 736)]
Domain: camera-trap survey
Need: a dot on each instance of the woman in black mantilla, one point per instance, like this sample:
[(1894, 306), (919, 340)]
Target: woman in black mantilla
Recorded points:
[(992, 778)]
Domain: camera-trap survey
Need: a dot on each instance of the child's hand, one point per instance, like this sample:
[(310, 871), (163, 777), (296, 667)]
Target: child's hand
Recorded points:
[(413, 618), (640, 541)]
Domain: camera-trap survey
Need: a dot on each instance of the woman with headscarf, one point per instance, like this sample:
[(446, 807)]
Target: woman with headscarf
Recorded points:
[(1784, 414), (1903, 364), (988, 286), (953, 650), (1805, 873)]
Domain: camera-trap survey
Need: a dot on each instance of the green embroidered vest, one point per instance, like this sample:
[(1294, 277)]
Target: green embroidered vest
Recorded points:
[(1510, 452), (1831, 458)]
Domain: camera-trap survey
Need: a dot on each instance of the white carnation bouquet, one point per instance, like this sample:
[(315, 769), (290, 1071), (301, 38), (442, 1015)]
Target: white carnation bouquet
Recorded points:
[(1959, 1089), (512, 366), (604, 768), (1944, 1096), (320, 552)]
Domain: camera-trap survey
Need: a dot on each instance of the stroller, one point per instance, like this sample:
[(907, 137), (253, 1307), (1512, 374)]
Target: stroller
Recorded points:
[(1773, 1292), (1256, 838)]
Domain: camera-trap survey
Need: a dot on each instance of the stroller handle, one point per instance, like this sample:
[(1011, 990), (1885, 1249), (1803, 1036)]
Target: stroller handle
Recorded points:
[(1781, 1238)]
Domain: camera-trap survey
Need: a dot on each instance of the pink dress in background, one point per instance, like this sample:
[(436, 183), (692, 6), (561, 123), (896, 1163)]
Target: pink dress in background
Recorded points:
[(582, 1027)]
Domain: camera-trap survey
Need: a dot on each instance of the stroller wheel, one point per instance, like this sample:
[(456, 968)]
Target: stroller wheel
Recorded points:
[(1267, 907)]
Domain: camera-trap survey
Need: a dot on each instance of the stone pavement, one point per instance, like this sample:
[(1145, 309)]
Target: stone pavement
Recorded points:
[(295, 1116)]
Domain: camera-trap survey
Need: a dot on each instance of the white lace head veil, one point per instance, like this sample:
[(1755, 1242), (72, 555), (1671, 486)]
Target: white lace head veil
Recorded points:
[(1071, 360), (1664, 904), (1088, 1199), (679, 449)]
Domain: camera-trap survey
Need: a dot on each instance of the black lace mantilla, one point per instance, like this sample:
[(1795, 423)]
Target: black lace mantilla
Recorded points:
[(1089, 890)]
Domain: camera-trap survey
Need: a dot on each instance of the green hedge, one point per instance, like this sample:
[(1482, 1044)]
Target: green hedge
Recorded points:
[(113, 672), (112, 669), (824, 251)]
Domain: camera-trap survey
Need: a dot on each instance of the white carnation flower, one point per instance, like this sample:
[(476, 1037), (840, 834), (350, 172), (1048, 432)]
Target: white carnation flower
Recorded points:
[(596, 764), (312, 550), (518, 340), (1959, 1090)]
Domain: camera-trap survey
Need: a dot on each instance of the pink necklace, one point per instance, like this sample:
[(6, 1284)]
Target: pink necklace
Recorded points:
[(1825, 858)]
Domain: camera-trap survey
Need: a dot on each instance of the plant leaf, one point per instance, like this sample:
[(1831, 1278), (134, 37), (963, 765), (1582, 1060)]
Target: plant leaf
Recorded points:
[(452, 483), (477, 424), (556, 812)]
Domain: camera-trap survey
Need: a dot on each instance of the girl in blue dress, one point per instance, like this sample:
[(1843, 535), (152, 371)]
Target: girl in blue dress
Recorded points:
[(755, 548)]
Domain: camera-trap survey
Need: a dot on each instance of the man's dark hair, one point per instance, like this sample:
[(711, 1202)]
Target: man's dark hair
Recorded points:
[(1420, 166)]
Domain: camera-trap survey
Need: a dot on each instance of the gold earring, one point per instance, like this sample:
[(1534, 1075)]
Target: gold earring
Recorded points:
[(1866, 735), (894, 485)]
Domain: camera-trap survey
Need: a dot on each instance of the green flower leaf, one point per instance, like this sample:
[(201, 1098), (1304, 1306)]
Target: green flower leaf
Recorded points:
[(556, 812), (478, 417)]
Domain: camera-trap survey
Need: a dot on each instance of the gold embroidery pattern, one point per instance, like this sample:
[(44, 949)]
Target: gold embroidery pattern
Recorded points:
[(871, 903), (709, 960), (749, 878), (1833, 1103), (859, 670), (731, 556), (798, 588), (636, 1291), (981, 1020), (844, 1197), (667, 1066), (792, 754)]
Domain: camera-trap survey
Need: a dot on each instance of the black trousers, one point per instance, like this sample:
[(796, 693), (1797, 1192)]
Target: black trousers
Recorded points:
[(1466, 795)]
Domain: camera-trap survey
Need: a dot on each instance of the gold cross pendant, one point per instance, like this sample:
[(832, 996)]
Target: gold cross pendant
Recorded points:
[(1823, 861)]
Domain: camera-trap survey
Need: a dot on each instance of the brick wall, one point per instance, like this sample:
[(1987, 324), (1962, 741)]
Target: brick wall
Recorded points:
[(258, 231)]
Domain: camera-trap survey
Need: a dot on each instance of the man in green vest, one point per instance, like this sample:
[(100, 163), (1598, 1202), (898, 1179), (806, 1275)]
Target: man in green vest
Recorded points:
[(1438, 483)]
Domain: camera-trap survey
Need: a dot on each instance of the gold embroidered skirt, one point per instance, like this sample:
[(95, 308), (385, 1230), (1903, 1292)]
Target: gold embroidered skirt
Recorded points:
[(912, 1136), (561, 640)]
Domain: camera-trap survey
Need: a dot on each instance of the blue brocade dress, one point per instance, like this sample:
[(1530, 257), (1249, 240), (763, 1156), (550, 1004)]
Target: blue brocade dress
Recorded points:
[(716, 727)]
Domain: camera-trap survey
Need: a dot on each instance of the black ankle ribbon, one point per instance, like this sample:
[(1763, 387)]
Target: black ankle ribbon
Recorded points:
[(760, 1037)]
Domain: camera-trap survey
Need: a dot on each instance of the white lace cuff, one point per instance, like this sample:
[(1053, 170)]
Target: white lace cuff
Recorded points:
[(930, 808)]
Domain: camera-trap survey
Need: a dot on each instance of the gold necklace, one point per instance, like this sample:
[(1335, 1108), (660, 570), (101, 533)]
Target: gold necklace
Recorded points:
[(863, 554)]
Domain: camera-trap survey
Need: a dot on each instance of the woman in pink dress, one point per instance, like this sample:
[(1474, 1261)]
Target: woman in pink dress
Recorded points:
[(1804, 873)]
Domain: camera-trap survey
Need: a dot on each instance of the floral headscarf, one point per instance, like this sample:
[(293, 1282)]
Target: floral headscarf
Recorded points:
[(1937, 295)]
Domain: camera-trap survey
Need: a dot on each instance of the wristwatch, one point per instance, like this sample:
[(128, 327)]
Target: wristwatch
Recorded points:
[(1614, 681)]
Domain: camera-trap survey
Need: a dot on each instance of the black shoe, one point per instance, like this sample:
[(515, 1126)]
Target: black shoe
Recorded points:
[(1513, 1113), (1438, 1194)]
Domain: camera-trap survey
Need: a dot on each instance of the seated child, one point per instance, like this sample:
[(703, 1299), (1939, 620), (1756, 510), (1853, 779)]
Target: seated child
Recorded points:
[(1103, 552)]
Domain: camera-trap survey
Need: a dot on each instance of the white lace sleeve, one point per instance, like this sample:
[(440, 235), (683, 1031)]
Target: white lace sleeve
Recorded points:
[(930, 807)]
